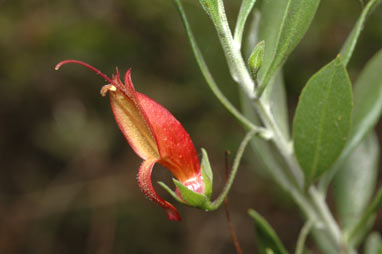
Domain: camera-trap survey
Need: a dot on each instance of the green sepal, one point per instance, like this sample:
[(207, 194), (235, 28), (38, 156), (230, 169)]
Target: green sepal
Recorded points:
[(352, 39), (255, 60), (192, 198), (207, 174), (172, 193)]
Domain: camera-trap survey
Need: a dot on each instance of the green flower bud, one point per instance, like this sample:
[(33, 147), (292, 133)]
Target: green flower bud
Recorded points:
[(255, 60)]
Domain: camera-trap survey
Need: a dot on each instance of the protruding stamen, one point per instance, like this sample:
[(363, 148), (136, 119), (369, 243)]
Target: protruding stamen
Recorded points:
[(107, 88)]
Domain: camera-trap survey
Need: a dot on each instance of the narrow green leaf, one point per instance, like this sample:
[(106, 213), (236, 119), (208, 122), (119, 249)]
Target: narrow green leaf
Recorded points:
[(368, 214), (355, 182), (297, 16), (276, 98), (253, 33), (267, 238), (351, 41), (323, 119), (367, 110), (359, 237), (373, 244), (367, 101), (272, 13), (245, 10)]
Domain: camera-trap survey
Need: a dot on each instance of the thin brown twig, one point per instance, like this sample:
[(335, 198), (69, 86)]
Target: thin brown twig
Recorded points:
[(226, 208)]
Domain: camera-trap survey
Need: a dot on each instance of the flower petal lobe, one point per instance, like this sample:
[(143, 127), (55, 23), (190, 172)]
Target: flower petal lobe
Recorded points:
[(144, 181)]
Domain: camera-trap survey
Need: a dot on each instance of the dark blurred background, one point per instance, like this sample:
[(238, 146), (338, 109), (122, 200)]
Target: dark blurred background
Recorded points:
[(68, 177)]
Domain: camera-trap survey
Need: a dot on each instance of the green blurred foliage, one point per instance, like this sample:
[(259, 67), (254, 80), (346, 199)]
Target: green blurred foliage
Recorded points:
[(68, 178)]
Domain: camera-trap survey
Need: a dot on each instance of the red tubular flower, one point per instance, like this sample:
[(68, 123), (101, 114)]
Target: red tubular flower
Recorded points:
[(154, 134)]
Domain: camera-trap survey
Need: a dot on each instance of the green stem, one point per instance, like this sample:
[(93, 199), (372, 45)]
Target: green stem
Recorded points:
[(285, 147), (326, 217), (231, 48), (239, 154)]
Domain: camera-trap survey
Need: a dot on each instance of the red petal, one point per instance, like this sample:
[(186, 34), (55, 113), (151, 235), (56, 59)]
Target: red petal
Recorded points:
[(177, 152), (144, 181)]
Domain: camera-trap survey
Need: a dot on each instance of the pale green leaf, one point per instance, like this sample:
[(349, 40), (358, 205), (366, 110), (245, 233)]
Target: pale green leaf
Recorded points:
[(373, 244), (367, 101), (367, 225), (267, 239), (272, 13), (351, 41), (253, 32), (296, 18), (356, 180), (245, 10), (323, 119), (275, 97)]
